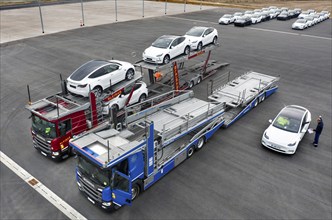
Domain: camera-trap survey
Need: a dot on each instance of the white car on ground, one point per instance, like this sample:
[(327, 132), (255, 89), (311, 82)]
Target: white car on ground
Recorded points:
[(226, 19), (256, 18), (287, 129), (300, 24), (310, 20), (99, 75), (166, 48), (237, 15), (139, 94), (303, 14), (327, 14), (201, 36), (249, 13)]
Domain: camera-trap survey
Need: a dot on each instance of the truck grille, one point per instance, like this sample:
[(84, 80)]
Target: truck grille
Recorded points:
[(91, 189), (43, 145)]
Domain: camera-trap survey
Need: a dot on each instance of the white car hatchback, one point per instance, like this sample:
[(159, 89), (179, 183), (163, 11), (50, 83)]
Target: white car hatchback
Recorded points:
[(138, 91), (300, 24), (166, 48), (287, 129), (201, 36), (99, 75), (226, 19)]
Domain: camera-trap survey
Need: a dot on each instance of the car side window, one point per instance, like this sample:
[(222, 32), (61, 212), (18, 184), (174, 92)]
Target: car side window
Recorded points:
[(127, 90), (97, 73), (111, 68), (137, 86), (175, 43), (181, 39)]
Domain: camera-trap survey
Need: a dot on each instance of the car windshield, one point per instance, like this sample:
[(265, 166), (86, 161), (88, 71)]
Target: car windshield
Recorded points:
[(237, 14), (86, 69), (300, 21), (162, 42), (43, 127), (91, 171), (196, 32), (255, 16), (227, 16), (289, 120)]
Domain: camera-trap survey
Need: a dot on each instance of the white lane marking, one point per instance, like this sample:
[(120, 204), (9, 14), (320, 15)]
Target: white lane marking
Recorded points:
[(64, 207), (290, 33)]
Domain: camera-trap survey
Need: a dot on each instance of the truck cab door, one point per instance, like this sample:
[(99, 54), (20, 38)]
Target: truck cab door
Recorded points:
[(122, 194)]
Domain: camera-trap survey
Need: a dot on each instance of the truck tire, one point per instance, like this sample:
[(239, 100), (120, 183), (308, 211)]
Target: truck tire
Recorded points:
[(200, 143), (199, 80), (191, 84), (256, 103), (190, 151), (135, 191), (262, 98)]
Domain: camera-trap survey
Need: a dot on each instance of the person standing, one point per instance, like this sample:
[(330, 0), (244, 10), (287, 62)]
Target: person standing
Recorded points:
[(318, 130)]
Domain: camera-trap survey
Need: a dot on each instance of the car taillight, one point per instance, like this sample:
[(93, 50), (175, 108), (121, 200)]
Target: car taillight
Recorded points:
[(82, 86)]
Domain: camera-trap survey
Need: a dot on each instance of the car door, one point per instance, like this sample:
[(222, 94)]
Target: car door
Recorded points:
[(121, 188), (174, 48), (207, 38), (305, 124), (114, 73), (98, 78)]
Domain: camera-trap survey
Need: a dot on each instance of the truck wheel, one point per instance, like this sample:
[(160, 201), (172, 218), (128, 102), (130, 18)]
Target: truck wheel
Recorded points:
[(191, 84), (190, 152), (256, 103), (98, 90), (200, 143), (262, 98), (130, 74), (135, 191)]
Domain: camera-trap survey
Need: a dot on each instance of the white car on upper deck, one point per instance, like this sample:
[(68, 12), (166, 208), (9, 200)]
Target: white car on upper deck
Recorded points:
[(166, 48), (99, 75), (201, 36)]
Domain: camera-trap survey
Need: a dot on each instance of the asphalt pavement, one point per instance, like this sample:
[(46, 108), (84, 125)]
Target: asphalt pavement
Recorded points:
[(233, 176)]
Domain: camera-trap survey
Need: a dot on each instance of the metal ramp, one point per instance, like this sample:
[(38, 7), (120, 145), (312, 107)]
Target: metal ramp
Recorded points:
[(243, 89)]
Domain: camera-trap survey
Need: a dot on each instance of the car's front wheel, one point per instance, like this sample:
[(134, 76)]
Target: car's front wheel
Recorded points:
[(142, 98), (187, 50), (130, 74), (199, 46), (166, 59)]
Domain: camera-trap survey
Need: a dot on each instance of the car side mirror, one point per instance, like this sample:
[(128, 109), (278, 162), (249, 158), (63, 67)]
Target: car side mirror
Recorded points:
[(270, 121), (120, 67), (121, 95), (303, 130)]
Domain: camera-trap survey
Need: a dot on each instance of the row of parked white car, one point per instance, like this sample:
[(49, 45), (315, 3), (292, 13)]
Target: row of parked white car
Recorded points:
[(256, 16), (310, 18), (168, 47)]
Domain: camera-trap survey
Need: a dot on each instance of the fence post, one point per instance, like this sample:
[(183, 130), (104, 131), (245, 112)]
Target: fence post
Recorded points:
[(83, 22), (143, 9), (165, 7), (184, 5), (41, 17), (116, 10)]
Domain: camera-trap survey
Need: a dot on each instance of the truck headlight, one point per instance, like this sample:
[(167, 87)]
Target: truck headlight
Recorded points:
[(107, 203)]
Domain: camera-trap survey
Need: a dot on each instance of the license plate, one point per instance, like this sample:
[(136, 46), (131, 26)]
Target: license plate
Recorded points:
[(93, 202), (43, 153)]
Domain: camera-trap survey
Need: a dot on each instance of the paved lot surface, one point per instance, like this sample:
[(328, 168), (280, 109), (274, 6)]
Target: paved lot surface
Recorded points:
[(232, 177)]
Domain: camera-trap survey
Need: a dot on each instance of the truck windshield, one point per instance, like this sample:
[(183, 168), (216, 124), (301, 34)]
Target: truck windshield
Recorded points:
[(43, 127), (91, 171)]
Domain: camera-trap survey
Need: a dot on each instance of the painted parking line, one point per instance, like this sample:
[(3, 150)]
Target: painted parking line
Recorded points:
[(64, 207), (289, 33)]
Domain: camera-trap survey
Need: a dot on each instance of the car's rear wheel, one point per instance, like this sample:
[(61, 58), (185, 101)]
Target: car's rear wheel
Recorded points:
[(142, 98), (130, 74), (98, 90), (215, 39), (199, 46), (187, 50), (166, 59)]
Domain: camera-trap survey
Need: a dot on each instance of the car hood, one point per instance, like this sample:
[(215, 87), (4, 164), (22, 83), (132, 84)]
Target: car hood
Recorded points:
[(281, 137), (224, 19), (154, 51)]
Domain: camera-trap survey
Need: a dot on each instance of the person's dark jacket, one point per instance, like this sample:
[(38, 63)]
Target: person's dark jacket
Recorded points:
[(319, 127)]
